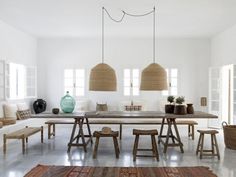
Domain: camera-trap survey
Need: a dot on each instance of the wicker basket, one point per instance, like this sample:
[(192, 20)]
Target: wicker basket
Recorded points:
[(229, 135)]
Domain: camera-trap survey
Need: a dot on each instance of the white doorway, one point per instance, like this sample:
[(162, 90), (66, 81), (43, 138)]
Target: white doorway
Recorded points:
[(227, 88), (222, 100)]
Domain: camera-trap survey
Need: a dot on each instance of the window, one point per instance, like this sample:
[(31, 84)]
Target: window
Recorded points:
[(20, 81), (74, 81), (2, 80), (131, 82), (31, 82), (172, 80)]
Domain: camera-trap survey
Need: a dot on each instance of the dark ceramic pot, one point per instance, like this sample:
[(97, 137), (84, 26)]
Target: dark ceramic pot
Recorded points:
[(39, 106), (55, 110), (190, 109), (180, 109), (169, 108)]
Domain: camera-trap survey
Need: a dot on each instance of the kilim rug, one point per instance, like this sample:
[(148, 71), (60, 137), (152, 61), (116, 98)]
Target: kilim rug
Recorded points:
[(83, 171)]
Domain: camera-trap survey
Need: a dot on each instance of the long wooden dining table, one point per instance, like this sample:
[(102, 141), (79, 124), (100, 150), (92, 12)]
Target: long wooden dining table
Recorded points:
[(169, 120)]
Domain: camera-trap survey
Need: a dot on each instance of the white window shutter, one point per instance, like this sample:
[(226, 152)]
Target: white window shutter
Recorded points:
[(214, 102), (234, 94), (2, 80), (31, 81)]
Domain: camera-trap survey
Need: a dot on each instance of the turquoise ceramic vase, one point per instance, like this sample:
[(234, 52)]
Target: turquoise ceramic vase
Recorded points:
[(67, 103)]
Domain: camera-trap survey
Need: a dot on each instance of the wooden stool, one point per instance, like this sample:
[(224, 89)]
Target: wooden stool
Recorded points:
[(214, 145), (154, 150), (106, 132)]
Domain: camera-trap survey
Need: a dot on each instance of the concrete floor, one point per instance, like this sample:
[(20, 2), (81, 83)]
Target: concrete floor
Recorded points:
[(53, 152)]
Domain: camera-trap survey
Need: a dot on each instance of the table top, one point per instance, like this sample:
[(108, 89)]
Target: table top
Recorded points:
[(147, 114), (60, 115), (125, 114)]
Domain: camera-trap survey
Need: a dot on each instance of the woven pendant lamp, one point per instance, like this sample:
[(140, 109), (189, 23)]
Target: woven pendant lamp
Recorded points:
[(102, 76), (154, 77)]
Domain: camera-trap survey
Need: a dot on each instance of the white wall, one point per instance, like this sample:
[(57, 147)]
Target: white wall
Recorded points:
[(17, 46), (190, 56), (223, 52), (223, 47)]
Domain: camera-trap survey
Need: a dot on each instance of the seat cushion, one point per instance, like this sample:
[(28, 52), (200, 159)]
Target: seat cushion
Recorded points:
[(7, 121)]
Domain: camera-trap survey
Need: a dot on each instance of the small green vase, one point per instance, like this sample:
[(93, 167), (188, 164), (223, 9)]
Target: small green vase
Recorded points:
[(67, 103)]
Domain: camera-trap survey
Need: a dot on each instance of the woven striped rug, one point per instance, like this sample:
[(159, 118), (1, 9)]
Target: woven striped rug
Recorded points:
[(83, 171)]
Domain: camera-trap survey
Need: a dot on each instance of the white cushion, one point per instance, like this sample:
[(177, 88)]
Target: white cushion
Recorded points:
[(10, 111), (22, 106), (162, 104), (1, 110), (82, 105)]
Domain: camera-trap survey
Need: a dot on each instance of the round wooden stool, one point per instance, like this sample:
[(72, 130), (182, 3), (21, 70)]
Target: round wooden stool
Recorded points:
[(214, 151), (106, 132), (154, 150)]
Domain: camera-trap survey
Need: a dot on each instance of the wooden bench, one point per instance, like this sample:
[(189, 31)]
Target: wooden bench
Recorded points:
[(52, 126), (22, 134), (120, 122), (190, 124)]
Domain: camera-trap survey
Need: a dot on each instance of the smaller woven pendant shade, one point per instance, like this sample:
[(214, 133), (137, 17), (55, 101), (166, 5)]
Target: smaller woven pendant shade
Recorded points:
[(102, 78), (153, 78)]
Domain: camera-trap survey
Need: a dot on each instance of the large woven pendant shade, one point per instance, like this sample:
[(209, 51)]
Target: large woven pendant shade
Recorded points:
[(153, 78), (102, 78)]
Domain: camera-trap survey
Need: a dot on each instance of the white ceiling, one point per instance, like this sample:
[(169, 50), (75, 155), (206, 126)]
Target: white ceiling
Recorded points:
[(78, 18)]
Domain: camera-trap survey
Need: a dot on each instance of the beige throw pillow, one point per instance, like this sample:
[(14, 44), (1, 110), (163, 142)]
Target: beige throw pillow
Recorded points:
[(10, 111)]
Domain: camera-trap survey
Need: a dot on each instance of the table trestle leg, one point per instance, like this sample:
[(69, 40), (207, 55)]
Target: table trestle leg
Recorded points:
[(72, 135), (176, 140), (75, 137)]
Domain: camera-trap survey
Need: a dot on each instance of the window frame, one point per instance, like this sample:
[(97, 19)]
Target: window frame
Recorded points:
[(34, 86), (131, 79), (2, 77), (21, 91), (169, 82), (75, 85)]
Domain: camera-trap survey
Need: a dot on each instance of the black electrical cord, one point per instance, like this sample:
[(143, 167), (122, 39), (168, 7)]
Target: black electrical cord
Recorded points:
[(121, 19)]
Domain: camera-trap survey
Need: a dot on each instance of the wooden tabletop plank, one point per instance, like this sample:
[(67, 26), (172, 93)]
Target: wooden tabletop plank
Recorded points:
[(147, 114), (60, 115), (126, 114)]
